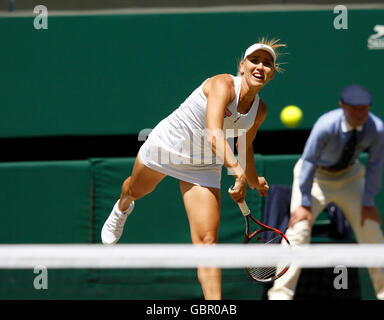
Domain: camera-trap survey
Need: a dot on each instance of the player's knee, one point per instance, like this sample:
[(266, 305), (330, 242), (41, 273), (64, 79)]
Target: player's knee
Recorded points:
[(209, 237)]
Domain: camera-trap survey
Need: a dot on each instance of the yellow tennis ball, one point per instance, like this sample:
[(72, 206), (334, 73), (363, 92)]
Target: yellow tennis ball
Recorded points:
[(291, 116)]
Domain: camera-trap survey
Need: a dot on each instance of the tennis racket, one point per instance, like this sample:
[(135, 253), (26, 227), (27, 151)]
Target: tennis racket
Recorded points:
[(265, 235)]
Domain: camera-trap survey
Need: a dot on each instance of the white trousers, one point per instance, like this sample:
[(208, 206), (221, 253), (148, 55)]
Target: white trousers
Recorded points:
[(345, 188)]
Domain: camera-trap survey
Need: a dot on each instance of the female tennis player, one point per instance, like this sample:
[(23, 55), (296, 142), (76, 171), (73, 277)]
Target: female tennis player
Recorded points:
[(190, 145)]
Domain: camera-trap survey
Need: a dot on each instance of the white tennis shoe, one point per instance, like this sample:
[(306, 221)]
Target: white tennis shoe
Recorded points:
[(114, 225)]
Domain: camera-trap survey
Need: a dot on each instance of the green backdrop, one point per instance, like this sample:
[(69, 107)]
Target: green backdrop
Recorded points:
[(45, 202), (119, 74)]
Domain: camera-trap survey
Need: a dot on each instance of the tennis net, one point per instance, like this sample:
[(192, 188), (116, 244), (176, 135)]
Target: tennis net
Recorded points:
[(168, 271)]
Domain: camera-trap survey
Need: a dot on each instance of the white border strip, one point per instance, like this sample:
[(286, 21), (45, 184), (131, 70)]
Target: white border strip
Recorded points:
[(173, 256)]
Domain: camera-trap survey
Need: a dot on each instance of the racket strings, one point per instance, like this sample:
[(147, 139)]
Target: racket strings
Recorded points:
[(264, 273), (276, 239)]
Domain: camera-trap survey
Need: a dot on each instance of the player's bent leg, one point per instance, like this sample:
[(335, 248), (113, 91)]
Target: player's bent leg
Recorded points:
[(203, 209), (142, 181)]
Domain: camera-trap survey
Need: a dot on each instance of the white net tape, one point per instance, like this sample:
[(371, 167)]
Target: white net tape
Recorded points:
[(22, 256)]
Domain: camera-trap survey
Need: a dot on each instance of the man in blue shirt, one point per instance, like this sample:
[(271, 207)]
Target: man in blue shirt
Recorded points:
[(329, 171)]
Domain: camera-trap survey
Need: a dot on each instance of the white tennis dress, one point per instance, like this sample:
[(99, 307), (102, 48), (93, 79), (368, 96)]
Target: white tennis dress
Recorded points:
[(178, 147)]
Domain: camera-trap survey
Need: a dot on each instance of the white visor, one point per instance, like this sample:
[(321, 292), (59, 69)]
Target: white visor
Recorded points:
[(260, 46)]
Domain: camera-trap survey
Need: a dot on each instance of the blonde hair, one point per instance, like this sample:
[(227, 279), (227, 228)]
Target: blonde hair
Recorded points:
[(274, 44)]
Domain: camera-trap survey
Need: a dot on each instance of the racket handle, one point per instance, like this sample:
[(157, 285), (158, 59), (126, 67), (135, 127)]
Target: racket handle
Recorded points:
[(244, 208)]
